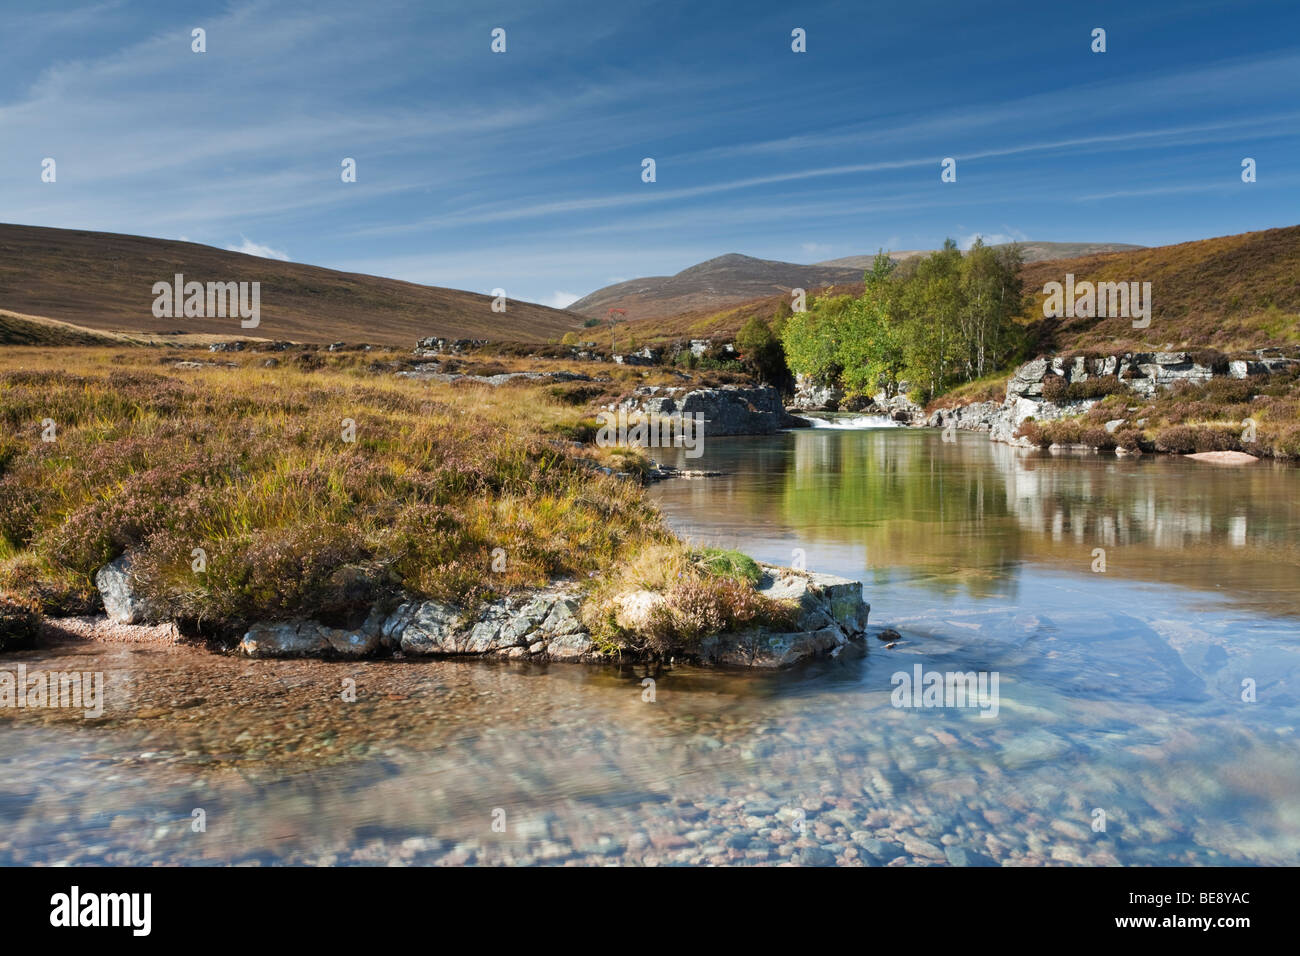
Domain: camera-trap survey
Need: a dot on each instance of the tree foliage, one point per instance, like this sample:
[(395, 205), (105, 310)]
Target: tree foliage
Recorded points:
[(945, 319)]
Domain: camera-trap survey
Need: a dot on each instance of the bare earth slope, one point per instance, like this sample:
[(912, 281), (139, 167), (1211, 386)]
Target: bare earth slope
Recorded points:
[(103, 281)]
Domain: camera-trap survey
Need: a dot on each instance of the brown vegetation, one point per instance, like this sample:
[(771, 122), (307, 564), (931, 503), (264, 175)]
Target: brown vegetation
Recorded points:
[(103, 281)]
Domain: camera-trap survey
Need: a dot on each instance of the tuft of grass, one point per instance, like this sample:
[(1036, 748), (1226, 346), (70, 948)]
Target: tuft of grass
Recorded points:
[(727, 563), (665, 602)]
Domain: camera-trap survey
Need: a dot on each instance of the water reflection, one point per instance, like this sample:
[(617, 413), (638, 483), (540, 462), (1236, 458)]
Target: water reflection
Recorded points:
[(896, 505), (1120, 691)]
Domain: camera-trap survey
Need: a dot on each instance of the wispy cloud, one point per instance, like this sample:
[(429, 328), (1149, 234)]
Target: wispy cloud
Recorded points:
[(992, 238), (248, 247), (562, 300), (522, 170)]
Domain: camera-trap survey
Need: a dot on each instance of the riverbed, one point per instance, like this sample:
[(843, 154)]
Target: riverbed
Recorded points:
[(1146, 707)]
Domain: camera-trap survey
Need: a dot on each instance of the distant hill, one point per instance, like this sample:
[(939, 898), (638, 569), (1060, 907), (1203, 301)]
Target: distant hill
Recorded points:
[(723, 323), (1230, 292), (734, 279), (103, 281), (728, 279), (1227, 292), (35, 330)]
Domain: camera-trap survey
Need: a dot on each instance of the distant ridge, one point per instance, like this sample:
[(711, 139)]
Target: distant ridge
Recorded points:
[(733, 279), (1226, 292), (717, 282), (103, 281)]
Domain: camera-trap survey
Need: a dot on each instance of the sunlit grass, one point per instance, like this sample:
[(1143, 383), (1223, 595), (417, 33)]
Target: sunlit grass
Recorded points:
[(254, 467)]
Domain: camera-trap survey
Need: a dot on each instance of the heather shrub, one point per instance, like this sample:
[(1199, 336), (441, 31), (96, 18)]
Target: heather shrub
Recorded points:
[(1188, 439), (699, 599), (1229, 390), (31, 580), (697, 607), (1033, 431), (1098, 387), (1097, 437), (1128, 438), (1055, 388), (1284, 440)]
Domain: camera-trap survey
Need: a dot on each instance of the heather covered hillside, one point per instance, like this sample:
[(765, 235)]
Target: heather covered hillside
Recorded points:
[(103, 281), (1231, 292)]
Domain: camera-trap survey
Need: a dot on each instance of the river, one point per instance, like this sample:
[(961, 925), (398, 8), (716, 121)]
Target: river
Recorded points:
[(1146, 707)]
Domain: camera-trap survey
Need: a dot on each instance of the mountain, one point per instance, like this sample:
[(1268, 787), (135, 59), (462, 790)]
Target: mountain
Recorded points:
[(728, 279), (103, 281), (733, 279), (1227, 292)]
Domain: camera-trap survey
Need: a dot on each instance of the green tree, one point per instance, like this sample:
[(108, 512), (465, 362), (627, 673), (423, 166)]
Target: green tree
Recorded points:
[(992, 296), (870, 345), (762, 353), (935, 321), (932, 303), (808, 339)]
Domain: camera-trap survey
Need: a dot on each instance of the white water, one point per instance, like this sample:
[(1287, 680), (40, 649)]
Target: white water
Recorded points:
[(856, 422)]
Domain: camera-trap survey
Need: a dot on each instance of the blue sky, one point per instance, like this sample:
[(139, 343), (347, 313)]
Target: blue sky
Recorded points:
[(522, 170)]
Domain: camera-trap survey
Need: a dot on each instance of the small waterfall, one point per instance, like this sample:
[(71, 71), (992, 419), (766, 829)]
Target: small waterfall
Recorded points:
[(854, 422)]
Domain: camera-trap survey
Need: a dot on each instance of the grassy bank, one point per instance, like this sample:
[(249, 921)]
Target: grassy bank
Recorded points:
[(314, 488)]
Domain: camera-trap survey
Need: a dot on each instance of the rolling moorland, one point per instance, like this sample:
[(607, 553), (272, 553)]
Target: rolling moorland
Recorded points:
[(148, 438), (155, 452), (102, 281)]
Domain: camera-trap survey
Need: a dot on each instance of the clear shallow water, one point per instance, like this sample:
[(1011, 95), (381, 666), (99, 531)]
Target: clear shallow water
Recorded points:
[(1119, 691)]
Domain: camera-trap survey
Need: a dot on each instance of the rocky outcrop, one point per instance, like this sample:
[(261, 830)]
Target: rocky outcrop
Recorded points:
[(122, 601), (829, 615), (812, 396), (541, 624), (544, 625), (435, 345), (1144, 373), (898, 407), (302, 638), (645, 356), (728, 410)]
